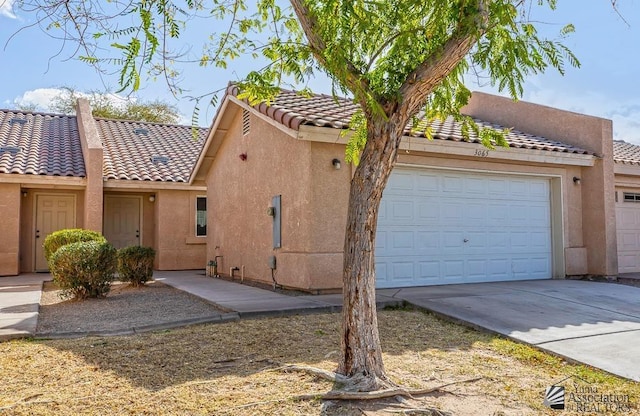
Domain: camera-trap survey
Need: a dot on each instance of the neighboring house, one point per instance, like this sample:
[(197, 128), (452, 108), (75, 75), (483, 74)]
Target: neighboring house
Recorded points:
[(627, 197), (129, 180), (452, 212)]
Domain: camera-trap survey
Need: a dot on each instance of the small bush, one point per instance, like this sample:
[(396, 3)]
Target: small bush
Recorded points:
[(84, 269), (60, 238), (135, 264)]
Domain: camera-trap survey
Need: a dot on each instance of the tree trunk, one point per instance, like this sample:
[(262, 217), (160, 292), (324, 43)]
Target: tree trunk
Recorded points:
[(361, 358)]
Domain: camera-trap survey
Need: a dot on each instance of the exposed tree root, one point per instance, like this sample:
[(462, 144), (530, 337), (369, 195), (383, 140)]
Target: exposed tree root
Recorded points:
[(348, 392)]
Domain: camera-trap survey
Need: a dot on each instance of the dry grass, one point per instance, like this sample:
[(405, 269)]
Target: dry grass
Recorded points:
[(227, 369)]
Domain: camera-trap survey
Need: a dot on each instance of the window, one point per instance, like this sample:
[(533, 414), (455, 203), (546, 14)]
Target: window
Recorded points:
[(201, 216), (629, 197)]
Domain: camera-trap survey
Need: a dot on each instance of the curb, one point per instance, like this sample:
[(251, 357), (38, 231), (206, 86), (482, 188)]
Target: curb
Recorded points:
[(220, 318)]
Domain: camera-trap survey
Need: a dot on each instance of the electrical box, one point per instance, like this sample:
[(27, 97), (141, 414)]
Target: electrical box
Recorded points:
[(272, 262), (277, 235)]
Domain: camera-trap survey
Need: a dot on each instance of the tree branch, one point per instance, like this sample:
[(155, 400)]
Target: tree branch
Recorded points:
[(421, 82), (349, 75)]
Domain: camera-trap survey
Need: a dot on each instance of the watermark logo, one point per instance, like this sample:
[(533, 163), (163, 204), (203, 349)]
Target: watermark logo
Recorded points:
[(554, 397), (580, 396)]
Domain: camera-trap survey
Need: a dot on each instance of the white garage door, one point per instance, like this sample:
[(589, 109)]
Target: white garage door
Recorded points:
[(628, 230), (440, 227)]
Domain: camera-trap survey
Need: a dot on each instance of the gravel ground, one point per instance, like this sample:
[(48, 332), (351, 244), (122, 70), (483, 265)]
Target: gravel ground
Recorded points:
[(125, 307)]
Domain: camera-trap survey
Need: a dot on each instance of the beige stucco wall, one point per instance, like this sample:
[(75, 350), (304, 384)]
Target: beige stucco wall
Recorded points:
[(177, 247), (240, 192), (9, 229), (599, 247)]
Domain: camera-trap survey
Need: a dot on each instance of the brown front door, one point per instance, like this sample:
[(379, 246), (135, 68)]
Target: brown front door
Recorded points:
[(53, 213), (122, 220)]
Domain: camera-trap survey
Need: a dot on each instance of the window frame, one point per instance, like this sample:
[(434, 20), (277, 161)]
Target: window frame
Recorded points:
[(198, 197)]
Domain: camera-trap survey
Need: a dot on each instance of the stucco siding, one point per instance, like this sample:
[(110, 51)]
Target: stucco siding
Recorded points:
[(176, 248), (240, 193), (9, 229)]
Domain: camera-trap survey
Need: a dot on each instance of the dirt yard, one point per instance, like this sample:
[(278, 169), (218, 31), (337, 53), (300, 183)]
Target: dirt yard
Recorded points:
[(233, 369)]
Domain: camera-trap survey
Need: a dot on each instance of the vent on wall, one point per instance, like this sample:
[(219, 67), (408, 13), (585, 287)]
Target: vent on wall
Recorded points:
[(629, 197), (246, 122)]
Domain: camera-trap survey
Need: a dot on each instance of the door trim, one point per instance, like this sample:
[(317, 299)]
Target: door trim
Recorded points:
[(36, 196)]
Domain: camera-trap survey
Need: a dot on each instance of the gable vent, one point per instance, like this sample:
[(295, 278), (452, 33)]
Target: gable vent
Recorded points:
[(246, 122), (629, 197), (157, 160), (141, 132), (10, 149), (18, 121)]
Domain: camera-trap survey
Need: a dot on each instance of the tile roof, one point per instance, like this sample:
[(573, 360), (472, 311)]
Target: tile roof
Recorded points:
[(149, 151), (293, 110), (42, 144), (627, 153)]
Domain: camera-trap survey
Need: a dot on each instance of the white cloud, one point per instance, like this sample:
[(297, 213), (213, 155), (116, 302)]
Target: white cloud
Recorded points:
[(40, 98), (6, 9)]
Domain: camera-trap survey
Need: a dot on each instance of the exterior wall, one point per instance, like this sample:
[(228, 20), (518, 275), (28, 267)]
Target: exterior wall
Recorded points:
[(177, 247), (598, 246), (239, 194), (27, 223), (10, 229)]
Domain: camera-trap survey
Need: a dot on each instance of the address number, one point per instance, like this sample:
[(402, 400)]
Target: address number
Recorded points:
[(481, 152)]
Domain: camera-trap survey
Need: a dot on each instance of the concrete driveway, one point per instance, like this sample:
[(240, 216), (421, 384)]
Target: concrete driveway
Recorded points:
[(591, 322)]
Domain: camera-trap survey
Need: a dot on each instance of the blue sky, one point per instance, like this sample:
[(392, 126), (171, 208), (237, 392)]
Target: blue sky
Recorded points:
[(607, 84)]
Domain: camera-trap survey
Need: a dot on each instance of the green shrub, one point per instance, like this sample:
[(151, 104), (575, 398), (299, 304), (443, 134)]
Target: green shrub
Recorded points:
[(84, 269), (135, 264), (60, 238)]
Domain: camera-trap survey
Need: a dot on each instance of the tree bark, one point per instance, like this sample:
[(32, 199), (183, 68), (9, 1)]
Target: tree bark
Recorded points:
[(361, 351)]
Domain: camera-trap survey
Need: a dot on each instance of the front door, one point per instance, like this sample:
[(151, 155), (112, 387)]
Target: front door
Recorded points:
[(53, 213), (122, 220)]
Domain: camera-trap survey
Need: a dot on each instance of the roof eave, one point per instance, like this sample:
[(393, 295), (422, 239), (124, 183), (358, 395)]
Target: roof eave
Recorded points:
[(475, 150)]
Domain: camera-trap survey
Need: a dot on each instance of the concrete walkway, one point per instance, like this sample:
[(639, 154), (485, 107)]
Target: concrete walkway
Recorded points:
[(594, 323), (251, 301), (19, 304)]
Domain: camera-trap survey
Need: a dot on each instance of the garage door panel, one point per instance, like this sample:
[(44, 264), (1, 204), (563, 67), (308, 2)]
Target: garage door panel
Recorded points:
[(429, 271), (428, 242), (427, 183), (427, 212), (464, 227), (452, 185)]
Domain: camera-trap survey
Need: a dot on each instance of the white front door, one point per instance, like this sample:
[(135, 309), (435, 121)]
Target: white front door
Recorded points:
[(628, 231), (53, 213), (439, 227), (122, 220)]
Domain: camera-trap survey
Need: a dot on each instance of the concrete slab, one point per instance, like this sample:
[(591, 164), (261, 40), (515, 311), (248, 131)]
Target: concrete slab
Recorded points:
[(591, 322), (19, 305), (616, 353)]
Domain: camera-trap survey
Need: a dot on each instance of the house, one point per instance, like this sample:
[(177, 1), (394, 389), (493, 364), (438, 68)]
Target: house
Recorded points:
[(452, 212), (129, 180)]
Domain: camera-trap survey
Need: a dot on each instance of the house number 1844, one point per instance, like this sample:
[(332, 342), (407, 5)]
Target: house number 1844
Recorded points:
[(481, 152)]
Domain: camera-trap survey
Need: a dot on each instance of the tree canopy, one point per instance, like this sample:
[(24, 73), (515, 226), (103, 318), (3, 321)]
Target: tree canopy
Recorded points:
[(107, 105)]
